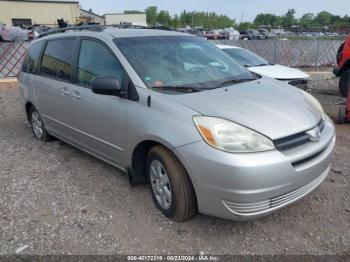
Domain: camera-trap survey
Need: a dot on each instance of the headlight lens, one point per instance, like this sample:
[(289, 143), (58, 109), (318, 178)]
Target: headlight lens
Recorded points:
[(315, 102), (231, 137)]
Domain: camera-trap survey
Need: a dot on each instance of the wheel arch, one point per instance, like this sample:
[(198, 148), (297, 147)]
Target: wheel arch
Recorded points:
[(137, 169), (28, 106)]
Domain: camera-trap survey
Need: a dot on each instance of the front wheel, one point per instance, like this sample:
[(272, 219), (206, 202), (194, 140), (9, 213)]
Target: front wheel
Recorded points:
[(344, 83), (38, 127), (172, 190)]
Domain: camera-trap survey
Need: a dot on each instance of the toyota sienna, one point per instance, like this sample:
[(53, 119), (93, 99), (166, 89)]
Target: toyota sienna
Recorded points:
[(174, 110)]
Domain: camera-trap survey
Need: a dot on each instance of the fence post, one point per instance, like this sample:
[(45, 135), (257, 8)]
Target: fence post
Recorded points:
[(275, 50), (317, 52)]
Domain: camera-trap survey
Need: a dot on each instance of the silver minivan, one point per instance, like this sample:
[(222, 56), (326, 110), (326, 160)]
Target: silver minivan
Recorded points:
[(175, 111)]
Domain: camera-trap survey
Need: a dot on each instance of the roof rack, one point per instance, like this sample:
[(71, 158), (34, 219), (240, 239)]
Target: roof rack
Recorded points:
[(96, 28), (99, 28), (126, 26)]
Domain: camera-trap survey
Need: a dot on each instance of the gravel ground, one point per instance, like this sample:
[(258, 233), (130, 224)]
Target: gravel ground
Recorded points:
[(58, 200)]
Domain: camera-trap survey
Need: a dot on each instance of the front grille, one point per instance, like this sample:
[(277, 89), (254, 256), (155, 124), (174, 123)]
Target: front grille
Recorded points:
[(293, 141), (305, 160)]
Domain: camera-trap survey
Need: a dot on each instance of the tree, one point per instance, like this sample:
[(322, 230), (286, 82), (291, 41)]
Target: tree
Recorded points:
[(306, 21), (245, 25), (205, 20), (323, 18), (164, 18), (288, 20), (267, 20), (175, 22), (151, 15)]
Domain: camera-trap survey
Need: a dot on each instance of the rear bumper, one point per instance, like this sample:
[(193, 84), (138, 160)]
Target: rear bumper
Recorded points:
[(248, 186)]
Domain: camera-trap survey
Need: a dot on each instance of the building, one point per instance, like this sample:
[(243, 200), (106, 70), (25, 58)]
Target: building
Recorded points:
[(90, 17), (46, 12), (117, 19)]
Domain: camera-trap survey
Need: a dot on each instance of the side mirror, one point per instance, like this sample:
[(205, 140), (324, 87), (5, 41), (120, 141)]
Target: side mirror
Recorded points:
[(106, 86)]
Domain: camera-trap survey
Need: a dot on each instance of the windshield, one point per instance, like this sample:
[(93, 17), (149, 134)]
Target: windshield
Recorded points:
[(180, 61), (245, 57)]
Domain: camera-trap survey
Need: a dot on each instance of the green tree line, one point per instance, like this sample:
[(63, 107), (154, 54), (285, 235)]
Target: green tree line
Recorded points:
[(321, 20), (211, 20), (201, 19)]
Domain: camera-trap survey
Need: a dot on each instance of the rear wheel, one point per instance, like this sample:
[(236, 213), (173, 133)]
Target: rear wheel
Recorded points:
[(38, 127), (172, 190), (344, 83)]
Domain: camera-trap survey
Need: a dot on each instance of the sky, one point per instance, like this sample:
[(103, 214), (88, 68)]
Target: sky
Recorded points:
[(237, 9)]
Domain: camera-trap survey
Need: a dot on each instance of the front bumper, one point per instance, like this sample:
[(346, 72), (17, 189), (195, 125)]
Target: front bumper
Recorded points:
[(248, 186)]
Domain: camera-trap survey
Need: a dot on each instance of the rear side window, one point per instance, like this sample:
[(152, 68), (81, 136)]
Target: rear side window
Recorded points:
[(31, 61), (58, 59), (97, 60)]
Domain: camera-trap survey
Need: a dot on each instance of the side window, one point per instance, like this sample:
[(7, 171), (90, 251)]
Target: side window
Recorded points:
[(30, 63), (96, 60), (58, 58)]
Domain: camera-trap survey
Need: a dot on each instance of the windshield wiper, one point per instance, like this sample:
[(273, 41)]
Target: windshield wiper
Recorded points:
[(234, 81), (185, 89)]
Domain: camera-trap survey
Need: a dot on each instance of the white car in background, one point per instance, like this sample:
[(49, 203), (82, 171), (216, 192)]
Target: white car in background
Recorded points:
[(232, 34), (259, 65)]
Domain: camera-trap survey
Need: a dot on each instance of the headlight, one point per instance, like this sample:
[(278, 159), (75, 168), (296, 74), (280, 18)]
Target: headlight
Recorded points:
[(315, 102), (231, 137)]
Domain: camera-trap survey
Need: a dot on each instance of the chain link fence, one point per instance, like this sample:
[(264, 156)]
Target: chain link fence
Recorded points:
[(294, 52), (314, 52), (11, 58)]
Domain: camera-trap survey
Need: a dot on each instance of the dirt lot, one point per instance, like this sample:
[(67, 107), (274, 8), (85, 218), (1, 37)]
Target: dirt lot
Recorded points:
[(59, 200)]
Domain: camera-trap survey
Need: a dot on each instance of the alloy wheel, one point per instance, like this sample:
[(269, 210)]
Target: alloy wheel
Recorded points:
[(37, 125), (160, 184)]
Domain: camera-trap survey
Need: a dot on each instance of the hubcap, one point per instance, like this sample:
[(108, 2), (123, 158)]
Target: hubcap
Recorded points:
[(160, 184), (37, 125)]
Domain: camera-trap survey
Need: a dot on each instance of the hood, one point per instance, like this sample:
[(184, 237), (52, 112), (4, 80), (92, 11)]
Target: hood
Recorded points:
[(268, 106), (279, 72)]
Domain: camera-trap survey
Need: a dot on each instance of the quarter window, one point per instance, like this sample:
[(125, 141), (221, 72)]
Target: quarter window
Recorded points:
[(58, 58), (95, 60), (32, 58)]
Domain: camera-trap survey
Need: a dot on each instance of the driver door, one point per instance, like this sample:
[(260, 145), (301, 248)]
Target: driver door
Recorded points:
[(99, 120)]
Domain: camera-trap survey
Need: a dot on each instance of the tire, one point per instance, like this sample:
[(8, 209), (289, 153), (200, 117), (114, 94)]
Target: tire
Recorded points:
[(344, 83), (342, 115), (182, 204), (38, 127), (339, 52)]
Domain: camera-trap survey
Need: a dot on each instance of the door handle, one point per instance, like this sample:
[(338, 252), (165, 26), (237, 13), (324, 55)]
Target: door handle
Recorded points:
[(76, 95), (65, 91)]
